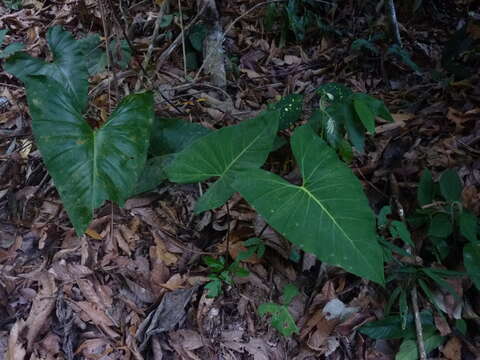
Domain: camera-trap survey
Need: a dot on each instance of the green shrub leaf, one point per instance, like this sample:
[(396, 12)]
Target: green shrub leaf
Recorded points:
[(468, 225), (391, 327), (440, 226), (367, 117), (426, 188), (471, 259), (328, 215), (281, 319), (223, 152), (450, 185), (68, 66), (89, 166), (409, 350), (376, 106)]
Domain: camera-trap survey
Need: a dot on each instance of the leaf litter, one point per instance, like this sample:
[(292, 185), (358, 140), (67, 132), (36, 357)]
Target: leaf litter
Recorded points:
[(136, 291)]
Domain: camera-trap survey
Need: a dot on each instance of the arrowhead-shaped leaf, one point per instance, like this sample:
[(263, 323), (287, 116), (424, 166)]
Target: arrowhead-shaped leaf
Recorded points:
[(328, 215), (223, 152), (89, 166), (289, 109), (367, 117), (68, 65), (335, 93)]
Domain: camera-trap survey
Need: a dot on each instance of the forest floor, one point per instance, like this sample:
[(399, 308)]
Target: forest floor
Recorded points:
[(133, 286)]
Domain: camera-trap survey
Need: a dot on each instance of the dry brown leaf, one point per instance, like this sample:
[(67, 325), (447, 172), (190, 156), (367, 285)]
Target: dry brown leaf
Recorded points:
[(93, 234), (15, 349), (42, 306), (452, 349), (162, 253)]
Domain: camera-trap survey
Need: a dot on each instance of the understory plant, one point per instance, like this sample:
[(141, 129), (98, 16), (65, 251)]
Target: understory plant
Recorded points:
[(134, 151)]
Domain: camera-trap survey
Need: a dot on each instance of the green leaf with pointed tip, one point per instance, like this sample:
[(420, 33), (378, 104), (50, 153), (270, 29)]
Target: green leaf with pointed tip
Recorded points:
[(95, 55), (450, 185), (440, 226), (471, 259), (468, 225), (281, 319), (376, 106), (11, 49), (399, 229), (214, 288), (68, 66), (335, 93), (289, 108), (328, 215), (223, 152), (426, 188), (289, 292), (355, 130), (409, 350), (366, 116), (89, 166)]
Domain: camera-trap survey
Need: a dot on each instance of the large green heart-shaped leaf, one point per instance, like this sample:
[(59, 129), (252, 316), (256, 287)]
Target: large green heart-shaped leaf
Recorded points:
[(173, 135), (169, 136), (68, 65), (89, 166), (328, 215), (223, 152)]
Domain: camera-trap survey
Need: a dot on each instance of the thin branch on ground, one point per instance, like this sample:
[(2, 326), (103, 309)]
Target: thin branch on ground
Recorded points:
[(392, 13), (147, 57), (184, 50)]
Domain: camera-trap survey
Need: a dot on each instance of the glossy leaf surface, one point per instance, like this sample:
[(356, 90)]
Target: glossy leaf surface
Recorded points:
[(68, 66), (289, 109), (450, 185), (223, 152), (328, 215), (89, 166)]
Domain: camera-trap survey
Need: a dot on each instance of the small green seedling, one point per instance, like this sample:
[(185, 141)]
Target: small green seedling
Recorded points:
[(255, 247), (221, 273), (391, 327), (342, 112), (447, 221), (281, 319)]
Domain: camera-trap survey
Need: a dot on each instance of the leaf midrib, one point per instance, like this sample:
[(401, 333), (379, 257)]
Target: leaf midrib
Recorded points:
[(241, 154), (332, 218)]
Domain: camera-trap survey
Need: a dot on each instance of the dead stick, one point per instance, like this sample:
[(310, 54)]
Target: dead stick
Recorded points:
[(413, 293)]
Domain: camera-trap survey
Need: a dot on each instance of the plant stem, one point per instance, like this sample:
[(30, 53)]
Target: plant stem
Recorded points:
[(393, 20), (418, 324)]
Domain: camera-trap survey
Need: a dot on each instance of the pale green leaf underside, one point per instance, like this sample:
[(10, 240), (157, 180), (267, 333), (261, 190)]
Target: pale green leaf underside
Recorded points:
[(328, 215), (223, 152), (89, 166)]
